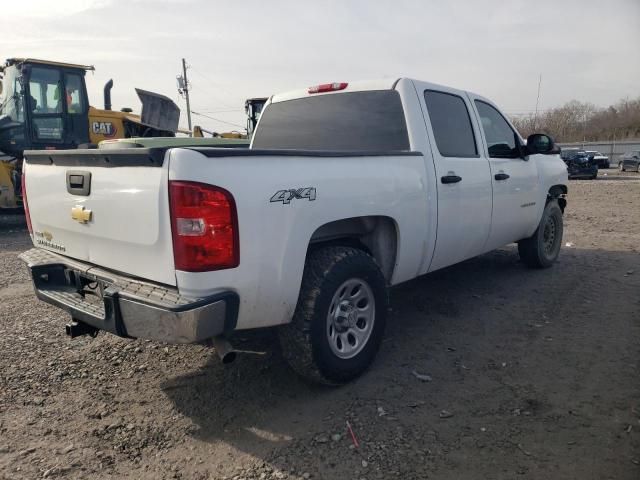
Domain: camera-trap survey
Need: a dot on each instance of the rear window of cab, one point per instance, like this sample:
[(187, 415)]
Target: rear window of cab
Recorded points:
[(368, 121)]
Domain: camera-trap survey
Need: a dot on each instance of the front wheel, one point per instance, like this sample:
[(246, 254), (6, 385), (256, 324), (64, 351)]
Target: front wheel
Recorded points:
[(339, 320), (541, 249)]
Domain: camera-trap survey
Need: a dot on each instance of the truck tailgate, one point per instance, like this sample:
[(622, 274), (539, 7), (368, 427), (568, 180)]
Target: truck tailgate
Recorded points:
[(110, 209)]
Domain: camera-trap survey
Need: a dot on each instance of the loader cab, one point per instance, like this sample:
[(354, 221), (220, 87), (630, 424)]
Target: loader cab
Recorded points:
[(44, 106), (253, 108)]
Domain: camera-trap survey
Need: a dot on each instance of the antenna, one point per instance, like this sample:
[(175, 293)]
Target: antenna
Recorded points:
[(535, 118)]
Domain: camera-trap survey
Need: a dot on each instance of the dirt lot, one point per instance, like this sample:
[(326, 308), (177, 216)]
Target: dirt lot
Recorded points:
[(534, 374)]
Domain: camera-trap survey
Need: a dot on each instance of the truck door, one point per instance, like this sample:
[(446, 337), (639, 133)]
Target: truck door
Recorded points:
[(462, 176), (514, 177)]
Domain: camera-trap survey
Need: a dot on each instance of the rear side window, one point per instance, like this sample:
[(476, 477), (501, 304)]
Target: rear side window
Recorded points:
[(451, 124), (358, 121)]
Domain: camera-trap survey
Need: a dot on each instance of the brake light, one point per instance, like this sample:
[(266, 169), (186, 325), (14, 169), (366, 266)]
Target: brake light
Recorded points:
[(204, 226), (328, 87), (23, 189)]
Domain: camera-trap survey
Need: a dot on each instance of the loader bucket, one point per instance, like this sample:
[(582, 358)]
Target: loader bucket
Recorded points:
[(158, 111)]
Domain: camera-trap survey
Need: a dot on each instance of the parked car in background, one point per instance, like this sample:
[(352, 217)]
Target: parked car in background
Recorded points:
[(602, 161), (630, 162), (579, 165)]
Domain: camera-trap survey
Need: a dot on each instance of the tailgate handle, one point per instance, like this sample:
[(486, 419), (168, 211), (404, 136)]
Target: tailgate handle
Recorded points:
[(78, 182)]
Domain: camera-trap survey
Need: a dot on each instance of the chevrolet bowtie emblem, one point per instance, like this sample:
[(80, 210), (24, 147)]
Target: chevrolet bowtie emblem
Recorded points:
[(80, 214)]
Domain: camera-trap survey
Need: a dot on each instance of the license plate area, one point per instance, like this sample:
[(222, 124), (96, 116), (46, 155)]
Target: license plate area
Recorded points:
[(75, 289)]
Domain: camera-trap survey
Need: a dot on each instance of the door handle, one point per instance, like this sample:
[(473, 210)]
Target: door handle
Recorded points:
[(501, 176), (450, 179)]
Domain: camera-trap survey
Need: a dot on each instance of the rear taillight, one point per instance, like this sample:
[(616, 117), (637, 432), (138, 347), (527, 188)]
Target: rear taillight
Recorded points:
[(204, 225), (23, 190), (328, 87)]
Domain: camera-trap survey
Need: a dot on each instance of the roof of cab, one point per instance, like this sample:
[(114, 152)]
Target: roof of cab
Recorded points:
[(13, 61), (359, 86)]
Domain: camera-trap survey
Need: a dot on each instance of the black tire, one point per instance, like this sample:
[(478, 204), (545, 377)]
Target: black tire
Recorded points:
[(541, 249), (306, 342)]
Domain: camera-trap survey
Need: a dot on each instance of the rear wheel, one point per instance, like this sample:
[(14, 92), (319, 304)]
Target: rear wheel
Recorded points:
[(541, 249), (339, 321)]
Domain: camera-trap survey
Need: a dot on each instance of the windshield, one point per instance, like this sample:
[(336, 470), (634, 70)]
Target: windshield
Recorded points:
[(11, 104)]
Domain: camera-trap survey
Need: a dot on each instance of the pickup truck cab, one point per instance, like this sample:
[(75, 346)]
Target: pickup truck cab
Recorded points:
[(346, 190)]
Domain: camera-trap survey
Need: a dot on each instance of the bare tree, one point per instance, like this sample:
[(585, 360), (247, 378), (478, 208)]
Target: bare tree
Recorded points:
[(577, 121)]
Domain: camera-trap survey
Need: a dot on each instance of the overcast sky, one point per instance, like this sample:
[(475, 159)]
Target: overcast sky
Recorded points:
[(588, 50)]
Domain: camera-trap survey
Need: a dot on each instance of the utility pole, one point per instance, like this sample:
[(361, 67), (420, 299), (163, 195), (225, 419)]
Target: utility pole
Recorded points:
[(184, 87)]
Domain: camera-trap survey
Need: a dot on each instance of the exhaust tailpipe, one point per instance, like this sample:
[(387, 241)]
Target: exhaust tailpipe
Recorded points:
[(107, 94), (223, 348)]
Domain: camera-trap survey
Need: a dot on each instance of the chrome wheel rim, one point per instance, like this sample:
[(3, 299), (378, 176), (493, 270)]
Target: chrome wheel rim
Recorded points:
[(351, 317), (549, 234)]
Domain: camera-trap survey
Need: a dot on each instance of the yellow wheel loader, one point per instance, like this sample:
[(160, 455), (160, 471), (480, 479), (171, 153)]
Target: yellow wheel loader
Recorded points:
[(44, 105)]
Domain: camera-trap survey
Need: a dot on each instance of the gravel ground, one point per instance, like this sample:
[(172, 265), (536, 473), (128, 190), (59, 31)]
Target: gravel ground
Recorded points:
[(488, 370)]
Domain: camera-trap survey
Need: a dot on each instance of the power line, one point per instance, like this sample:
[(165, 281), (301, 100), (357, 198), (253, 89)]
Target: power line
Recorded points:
[(211, 81), (235, 110), (217, 119), (210, 93)]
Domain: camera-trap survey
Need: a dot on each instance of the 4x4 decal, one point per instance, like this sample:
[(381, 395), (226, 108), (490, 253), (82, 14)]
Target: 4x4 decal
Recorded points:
[(285, 196)]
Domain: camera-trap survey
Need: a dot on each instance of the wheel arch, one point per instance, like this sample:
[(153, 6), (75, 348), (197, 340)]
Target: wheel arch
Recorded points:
[(375, 234), (557, 192)]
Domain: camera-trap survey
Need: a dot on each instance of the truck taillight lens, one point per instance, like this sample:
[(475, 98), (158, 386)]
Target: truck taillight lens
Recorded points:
[(23, 190), (204, 225)]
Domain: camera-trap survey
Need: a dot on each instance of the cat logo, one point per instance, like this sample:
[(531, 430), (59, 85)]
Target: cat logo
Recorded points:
[(103, 128)]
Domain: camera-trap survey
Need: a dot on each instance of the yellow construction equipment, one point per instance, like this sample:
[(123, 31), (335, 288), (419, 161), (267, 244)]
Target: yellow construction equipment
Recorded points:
[(44, 105)]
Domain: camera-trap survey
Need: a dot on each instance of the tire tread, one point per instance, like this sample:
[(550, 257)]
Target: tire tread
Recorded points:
[(295, 337)]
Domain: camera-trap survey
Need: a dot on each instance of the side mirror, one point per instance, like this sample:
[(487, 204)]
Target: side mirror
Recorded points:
[(541, 143)]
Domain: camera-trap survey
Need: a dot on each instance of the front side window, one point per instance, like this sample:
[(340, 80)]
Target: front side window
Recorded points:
[(502, 141), (11, 102), (451, 124)]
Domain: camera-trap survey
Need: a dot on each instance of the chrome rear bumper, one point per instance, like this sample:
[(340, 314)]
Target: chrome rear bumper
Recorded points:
[(125, 306)]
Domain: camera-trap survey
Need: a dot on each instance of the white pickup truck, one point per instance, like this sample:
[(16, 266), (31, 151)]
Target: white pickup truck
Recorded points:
[(347, 189)]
